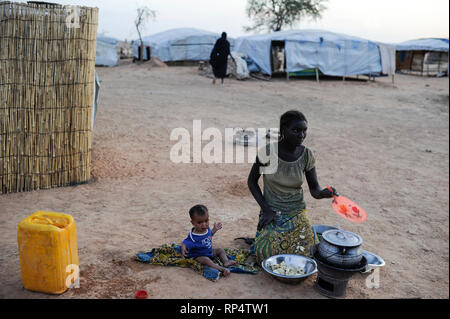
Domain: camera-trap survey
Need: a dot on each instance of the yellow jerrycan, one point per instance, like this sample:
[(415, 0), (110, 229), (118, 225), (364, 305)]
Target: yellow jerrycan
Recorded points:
[(48, 252)]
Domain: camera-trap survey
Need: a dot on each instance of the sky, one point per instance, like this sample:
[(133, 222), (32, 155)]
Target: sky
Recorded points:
[(382, 20)]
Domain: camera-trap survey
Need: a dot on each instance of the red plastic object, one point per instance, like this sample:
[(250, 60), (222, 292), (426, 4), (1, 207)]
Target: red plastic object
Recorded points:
[(141, 294), (348, 209)]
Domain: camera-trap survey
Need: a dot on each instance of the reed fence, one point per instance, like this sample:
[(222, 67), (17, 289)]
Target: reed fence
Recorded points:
[(47, 65)]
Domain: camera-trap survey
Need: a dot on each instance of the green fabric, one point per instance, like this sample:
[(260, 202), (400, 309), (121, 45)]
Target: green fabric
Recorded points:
[(283, 190), (292, 235), (307, 72)]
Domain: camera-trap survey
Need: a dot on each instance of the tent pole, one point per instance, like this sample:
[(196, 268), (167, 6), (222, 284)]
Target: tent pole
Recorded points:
[(287, 76), (317, 75), (439, 62), (423, 61)]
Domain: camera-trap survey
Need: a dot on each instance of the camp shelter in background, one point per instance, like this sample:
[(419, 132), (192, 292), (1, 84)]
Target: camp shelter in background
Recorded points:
[(423, 56), (388, 58), (183, 44), (106, 54), (309, 52)]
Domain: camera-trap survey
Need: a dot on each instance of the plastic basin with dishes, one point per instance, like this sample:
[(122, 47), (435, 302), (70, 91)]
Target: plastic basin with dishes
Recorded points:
[(308, 266)]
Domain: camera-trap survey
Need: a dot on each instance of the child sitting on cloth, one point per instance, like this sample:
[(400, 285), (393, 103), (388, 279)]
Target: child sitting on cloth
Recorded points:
[(198, 244)]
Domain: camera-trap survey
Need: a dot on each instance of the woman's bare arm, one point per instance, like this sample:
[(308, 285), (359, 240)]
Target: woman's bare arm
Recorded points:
[(314, 187), (252, 182)]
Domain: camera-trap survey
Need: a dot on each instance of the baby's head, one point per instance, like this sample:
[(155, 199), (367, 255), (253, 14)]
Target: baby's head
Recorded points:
[(199, 218)]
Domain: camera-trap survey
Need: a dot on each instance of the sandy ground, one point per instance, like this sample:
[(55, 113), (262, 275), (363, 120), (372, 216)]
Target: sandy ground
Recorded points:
[(384, 146)]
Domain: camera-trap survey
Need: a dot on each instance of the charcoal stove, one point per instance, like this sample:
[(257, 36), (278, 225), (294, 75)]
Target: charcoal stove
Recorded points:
[(331, 280)]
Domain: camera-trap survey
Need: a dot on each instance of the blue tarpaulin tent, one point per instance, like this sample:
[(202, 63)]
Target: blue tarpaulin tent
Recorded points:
[(331, 53), (432, 44), (106, 54), (183, 44)]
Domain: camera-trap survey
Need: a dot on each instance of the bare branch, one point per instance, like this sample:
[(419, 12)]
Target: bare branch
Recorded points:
[(143, 15)]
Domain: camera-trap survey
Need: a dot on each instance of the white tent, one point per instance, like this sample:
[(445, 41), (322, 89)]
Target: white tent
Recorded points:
[(388, 54), (184, 44), (106, 54), (331, 53)]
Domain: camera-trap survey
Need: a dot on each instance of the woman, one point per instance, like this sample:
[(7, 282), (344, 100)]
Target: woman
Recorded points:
[(219, 57), (283, 226)]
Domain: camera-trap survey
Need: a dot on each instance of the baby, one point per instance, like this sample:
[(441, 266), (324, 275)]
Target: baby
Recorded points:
[(198, 244)]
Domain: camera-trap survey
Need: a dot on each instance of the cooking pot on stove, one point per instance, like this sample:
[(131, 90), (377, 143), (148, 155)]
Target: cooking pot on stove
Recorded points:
[(340, 248)]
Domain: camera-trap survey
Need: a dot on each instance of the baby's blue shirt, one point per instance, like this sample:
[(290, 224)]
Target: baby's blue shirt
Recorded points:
[(199, 245)]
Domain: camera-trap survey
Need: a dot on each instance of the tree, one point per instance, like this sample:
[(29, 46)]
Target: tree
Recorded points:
[(143, 15), (276, 14)]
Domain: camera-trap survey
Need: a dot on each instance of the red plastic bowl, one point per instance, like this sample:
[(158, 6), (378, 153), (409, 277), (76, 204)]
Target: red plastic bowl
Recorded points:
[(141, 294)]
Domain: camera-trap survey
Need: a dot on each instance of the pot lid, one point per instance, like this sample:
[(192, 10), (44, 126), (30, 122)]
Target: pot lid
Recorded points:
[(342, 238)]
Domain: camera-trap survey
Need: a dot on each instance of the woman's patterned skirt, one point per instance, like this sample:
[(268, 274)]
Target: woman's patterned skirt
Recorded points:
[(293, 234)]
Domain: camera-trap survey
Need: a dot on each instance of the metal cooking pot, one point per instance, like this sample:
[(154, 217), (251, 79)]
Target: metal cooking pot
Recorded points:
[(340, 248)]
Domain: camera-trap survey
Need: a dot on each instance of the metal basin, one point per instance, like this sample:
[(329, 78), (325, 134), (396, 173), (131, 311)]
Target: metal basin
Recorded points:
[(308, 265), (373, 261)]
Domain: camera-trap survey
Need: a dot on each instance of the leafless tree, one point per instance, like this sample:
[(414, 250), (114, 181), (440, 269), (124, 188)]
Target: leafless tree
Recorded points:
[(144, 14)]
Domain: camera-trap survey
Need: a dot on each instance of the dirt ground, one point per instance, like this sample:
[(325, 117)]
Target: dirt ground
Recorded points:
[(384, 146)]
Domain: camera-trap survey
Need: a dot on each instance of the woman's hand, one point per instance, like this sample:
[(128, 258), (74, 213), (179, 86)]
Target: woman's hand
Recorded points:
[(267, 218), (326, 193)]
